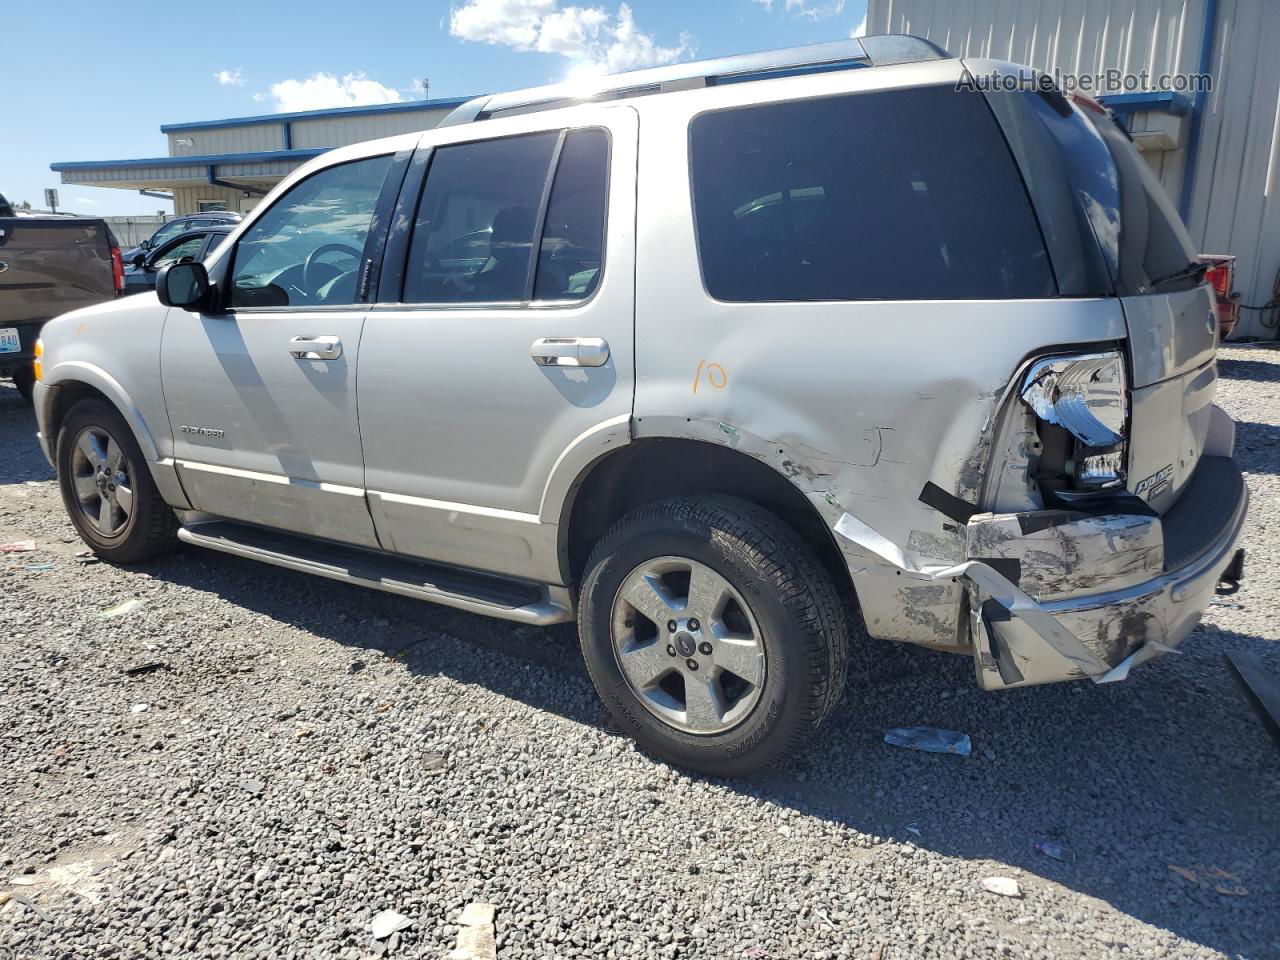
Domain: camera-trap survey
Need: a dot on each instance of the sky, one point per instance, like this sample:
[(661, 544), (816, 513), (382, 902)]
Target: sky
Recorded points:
[(87, 80)]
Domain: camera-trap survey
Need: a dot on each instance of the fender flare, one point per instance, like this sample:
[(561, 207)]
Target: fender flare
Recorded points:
[(78, 371)]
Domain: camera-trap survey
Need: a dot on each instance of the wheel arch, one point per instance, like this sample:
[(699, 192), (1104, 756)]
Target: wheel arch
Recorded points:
[(86, 382), (654, 468), (76, 380)]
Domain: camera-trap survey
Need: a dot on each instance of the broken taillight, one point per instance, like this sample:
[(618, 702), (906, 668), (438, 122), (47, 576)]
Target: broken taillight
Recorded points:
[(1087, 396)]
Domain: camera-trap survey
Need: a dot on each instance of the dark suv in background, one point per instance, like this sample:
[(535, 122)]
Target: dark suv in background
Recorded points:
[(171, 228)]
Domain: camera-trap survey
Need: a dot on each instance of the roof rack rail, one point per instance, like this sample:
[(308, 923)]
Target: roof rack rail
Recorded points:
[(791, 61)]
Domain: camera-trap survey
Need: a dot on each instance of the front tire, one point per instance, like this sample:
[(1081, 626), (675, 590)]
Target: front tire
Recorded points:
[(107, 486), (713, 633)]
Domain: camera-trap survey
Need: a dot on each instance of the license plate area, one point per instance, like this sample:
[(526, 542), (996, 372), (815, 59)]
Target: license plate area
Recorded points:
[(10, 342)]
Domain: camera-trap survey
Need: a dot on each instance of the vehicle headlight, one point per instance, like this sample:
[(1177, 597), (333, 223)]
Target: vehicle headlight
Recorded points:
[(37, 365), (1087, 395)]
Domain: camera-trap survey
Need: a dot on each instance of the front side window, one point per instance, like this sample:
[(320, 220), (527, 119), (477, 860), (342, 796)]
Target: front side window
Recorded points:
[(893, 195), (477, 226), (183, 249), (308, 248)]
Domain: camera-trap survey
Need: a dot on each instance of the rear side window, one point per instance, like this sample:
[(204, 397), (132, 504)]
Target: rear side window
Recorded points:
[(486, 206), (572, 252), (895, 195)]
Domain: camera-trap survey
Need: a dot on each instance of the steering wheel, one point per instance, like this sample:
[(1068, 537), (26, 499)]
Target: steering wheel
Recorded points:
[(314, 257)]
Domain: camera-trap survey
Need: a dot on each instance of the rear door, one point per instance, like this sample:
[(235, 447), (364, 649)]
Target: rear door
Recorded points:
[(511, 339)]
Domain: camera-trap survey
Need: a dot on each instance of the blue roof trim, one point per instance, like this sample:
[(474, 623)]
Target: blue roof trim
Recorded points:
[(446, 104), (205, 161), (1163, 102)]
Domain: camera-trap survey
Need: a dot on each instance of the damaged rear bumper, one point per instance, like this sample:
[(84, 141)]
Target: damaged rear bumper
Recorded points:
[(1059, 595), (1131, 622)]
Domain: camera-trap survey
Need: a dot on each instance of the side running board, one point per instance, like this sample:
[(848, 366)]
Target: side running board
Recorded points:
[(463, 589)]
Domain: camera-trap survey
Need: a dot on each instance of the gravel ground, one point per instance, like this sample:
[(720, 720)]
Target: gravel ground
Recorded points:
[(310, 754)]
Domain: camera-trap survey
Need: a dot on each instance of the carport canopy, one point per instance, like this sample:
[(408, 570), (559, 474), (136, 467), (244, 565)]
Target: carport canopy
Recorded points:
[(254, 172)]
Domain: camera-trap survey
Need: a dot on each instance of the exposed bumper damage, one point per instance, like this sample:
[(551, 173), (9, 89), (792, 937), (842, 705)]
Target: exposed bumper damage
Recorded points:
[(1058, 595)]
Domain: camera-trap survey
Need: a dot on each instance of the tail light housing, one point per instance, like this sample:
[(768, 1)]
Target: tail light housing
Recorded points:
[(1219, 277), (38, 364), (1087, 396), (117, 269)]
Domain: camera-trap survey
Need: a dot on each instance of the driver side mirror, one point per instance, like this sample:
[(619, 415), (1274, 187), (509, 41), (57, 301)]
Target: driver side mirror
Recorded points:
[(139, 260), (145, 245), (184, 285)]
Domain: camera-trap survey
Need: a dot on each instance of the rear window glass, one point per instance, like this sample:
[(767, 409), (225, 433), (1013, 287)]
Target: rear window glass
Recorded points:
[(894, 195)]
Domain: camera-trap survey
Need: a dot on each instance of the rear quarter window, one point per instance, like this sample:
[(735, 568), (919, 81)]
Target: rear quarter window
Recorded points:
[(893, 195)]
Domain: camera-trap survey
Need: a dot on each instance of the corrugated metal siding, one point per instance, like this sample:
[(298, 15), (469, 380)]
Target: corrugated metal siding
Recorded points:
[(1076, 36), (187, 199), (252, 138), (337, 131), (1234, 209)]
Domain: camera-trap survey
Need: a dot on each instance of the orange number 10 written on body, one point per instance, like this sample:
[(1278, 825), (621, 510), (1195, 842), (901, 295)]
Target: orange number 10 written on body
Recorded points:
[(713, 373)]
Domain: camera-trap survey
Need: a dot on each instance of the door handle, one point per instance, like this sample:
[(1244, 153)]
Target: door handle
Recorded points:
[(315, 348), (570, 351)]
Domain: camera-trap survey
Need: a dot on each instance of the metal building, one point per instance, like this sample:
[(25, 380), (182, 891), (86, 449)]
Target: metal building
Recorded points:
[(232, 164), (1216, 153)]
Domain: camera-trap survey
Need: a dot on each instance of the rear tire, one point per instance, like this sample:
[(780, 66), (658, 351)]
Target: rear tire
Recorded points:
[(760, 633), (107, 486)]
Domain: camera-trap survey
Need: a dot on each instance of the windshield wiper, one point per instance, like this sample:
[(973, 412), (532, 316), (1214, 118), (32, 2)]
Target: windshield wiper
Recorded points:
[(1194, 271)]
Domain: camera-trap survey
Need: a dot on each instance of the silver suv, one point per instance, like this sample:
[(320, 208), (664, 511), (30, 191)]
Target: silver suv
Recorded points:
[(720, 359)]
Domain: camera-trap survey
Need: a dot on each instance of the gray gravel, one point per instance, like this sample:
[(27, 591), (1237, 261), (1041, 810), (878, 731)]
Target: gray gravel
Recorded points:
[(311, 755)]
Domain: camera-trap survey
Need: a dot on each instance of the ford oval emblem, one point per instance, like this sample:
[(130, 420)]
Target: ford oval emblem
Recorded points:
[(1212, 318)]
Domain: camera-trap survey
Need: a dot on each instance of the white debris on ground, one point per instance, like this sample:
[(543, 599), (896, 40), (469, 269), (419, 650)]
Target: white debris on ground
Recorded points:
[(314, 755)]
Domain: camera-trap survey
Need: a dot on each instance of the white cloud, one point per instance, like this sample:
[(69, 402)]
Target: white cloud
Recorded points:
[(803, 8), (861, 29), (92, 203), (230, 78), (591, 38), (321, 91)]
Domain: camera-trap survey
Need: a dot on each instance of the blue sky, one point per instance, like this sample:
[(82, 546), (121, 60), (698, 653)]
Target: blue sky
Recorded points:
[(88, 80)]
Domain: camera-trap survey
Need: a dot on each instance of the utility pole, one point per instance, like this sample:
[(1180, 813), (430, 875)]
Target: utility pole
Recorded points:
[(426, 88)]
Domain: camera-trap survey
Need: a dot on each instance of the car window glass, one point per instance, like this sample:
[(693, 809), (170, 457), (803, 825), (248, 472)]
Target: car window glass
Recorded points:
[(215, 240), (185, 248), (894, 195), (168, 232), (572, 251), (307, 249), (474, 232)]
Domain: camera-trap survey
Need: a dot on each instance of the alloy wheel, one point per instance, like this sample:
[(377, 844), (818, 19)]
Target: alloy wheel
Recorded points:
[(688, 646), (100, 478)]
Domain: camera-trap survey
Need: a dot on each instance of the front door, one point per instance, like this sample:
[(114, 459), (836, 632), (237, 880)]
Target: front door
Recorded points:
[(261, 397), (512, 342)]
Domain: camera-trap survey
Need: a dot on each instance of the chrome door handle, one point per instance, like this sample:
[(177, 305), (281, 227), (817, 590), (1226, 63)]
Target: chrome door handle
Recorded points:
[(315, 348), (570, 352)]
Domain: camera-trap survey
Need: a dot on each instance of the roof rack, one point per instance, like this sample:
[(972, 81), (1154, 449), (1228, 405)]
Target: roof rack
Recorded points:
[(791, 61)]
